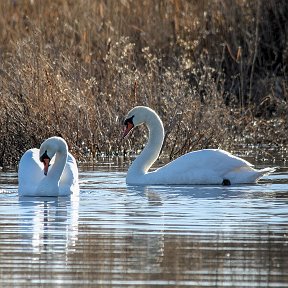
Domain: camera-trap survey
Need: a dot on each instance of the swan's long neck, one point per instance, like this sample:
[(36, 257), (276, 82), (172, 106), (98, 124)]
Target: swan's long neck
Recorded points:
[(49, 185), (152, 149), (59, 164)]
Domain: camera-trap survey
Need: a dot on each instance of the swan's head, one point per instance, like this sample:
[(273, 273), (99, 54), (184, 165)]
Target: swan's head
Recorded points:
[(45, 159), (137, 116), (48, 149)]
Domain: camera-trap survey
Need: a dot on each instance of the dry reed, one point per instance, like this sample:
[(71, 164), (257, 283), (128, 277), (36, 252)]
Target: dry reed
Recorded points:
[(216, 73)]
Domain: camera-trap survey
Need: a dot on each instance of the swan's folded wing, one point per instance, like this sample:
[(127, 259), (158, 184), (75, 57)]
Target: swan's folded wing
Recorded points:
[(69, 177), (208, 159), (30, 171)]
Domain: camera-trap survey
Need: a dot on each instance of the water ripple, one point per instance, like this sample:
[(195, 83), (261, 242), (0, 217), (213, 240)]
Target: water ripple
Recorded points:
[(113, 235)]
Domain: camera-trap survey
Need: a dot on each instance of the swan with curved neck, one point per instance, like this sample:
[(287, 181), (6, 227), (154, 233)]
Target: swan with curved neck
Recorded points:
[(48, 171), (207, 166)]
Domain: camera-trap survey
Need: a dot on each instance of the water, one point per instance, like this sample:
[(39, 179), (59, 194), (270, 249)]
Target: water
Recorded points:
[(118, 236)]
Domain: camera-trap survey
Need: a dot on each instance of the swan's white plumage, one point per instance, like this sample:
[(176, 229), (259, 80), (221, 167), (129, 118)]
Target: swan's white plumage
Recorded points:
[(208, 166), (60, 181)]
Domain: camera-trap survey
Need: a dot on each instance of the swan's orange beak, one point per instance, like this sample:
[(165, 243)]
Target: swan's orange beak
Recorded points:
[(128, 127), (46, 163)]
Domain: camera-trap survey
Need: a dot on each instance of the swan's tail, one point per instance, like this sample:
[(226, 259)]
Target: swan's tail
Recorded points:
[(263, 172), (248, 175), (257, 174), (267, 170)]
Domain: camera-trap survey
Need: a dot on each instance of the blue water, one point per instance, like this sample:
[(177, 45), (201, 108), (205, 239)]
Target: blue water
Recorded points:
[(113, 235)]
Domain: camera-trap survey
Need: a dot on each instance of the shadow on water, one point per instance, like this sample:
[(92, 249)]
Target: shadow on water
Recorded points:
[(113, 235)]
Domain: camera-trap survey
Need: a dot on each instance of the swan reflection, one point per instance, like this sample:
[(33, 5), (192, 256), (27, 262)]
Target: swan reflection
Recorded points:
[(49, 222)]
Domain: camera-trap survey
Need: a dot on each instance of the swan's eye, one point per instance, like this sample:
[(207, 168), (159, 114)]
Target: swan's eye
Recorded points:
[(129, 120)]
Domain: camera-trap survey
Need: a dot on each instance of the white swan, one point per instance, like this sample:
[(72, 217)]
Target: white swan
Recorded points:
[(60, 180), (208, 166)]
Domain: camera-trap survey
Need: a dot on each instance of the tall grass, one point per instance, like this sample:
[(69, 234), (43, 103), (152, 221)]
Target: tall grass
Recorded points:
[(215, 72)]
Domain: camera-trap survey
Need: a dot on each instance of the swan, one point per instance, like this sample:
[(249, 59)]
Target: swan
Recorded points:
[(207, 166), (59, 177)]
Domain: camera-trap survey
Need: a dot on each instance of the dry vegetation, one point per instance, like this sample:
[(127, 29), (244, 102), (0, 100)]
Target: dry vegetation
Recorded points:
[(215, 71)]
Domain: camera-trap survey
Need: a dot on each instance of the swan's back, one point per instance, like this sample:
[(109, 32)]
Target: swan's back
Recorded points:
[(208, 159)]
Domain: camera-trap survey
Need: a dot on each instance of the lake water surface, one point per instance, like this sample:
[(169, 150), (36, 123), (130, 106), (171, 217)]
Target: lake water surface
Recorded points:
[(113, 235)]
